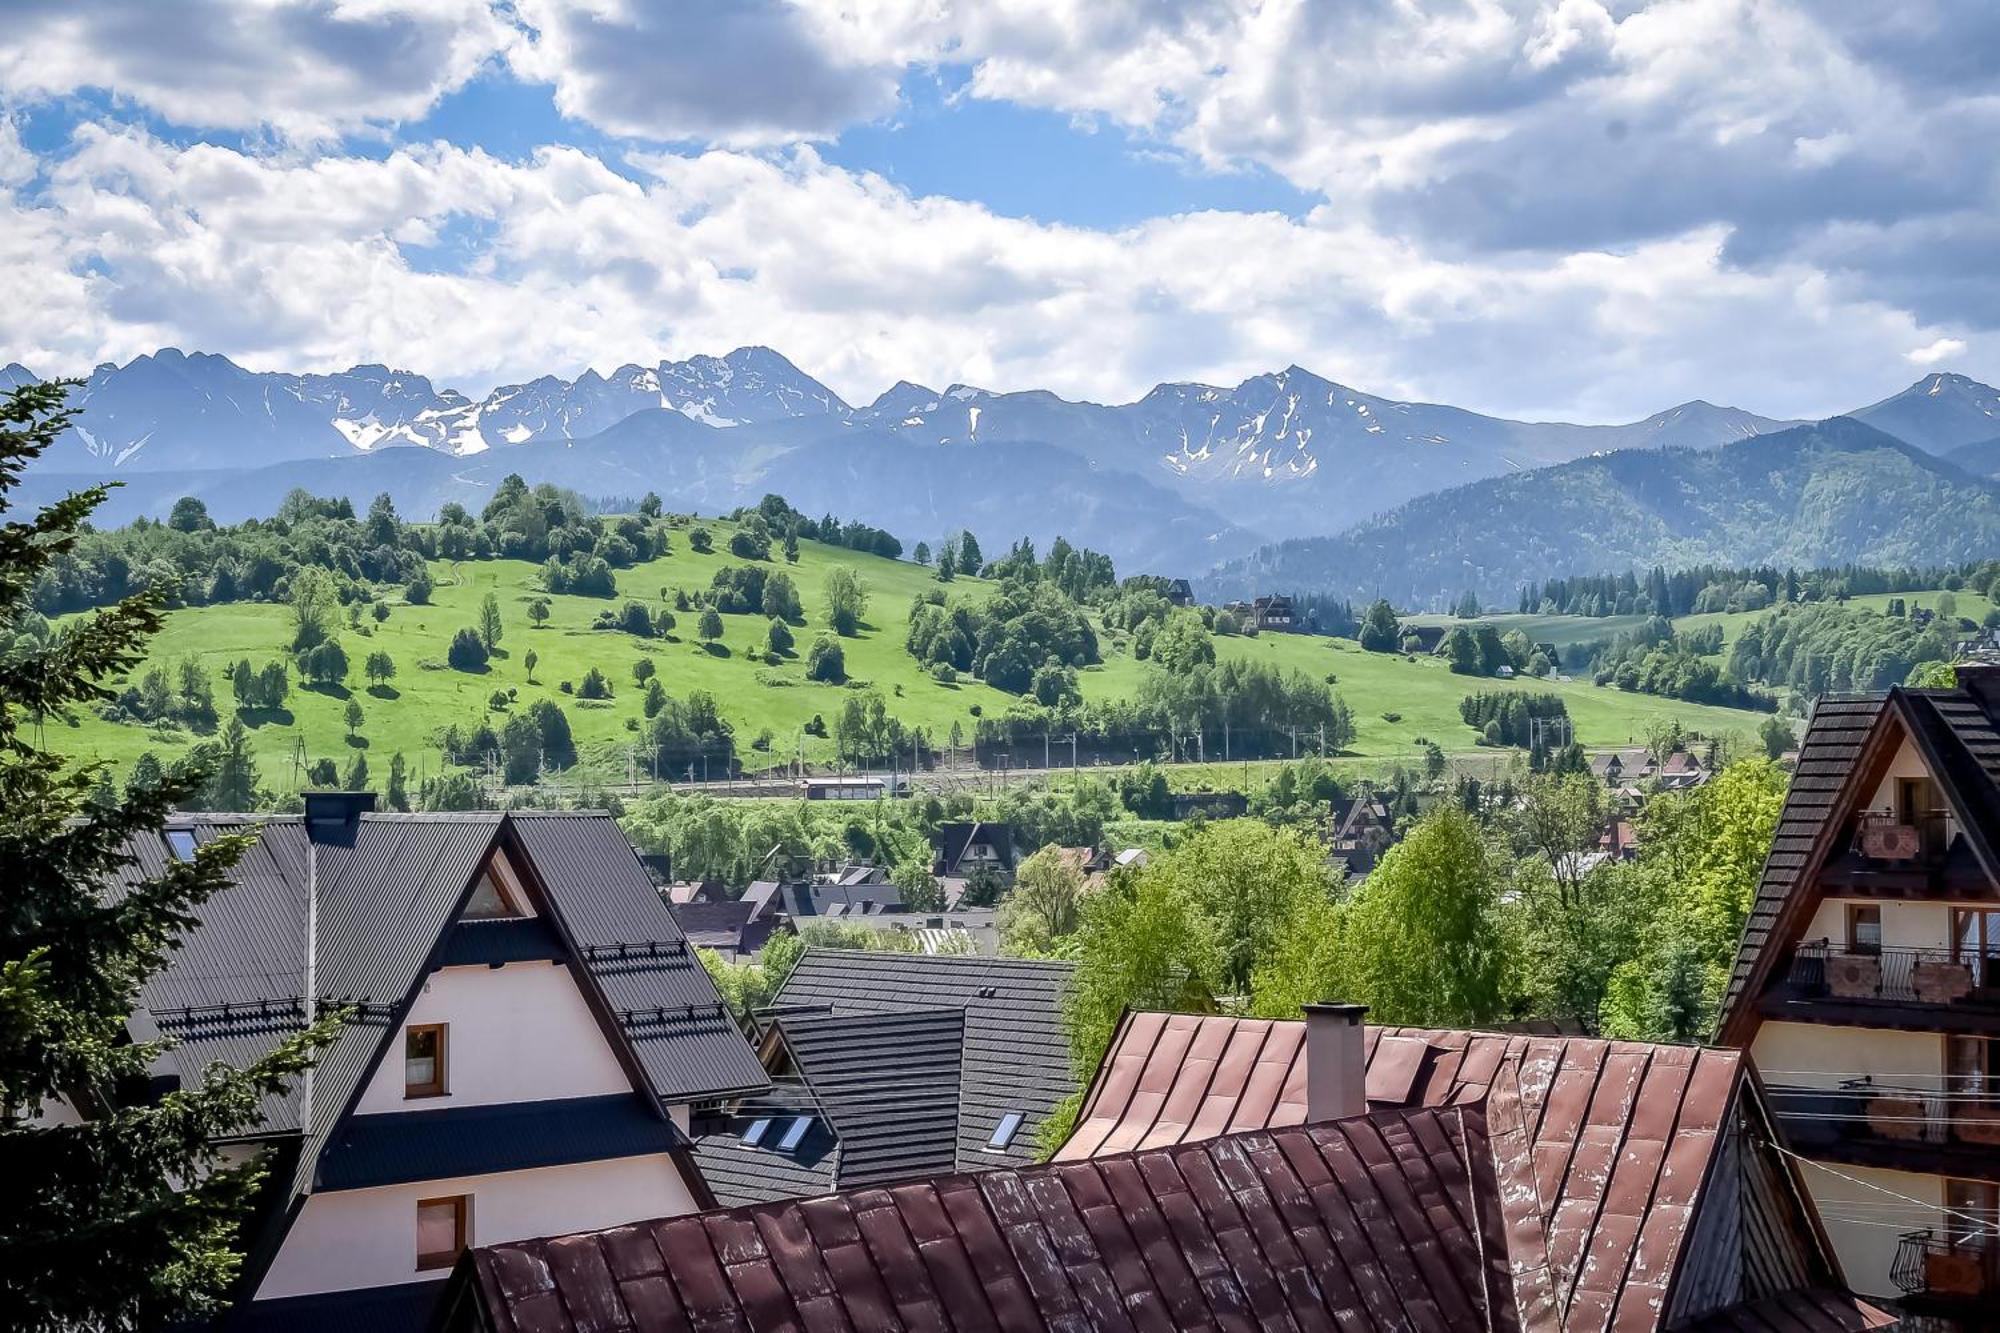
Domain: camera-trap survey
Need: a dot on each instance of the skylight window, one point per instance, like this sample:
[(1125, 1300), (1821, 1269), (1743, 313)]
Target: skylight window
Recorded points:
[(755, 1134), (794, 1132), (180, 841), (1004, 1132)]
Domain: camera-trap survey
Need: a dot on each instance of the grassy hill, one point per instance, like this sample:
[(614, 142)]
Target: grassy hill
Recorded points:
[(756, 697)]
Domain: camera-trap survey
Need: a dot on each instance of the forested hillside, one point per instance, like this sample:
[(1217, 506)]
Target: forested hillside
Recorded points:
[(1825, 494)]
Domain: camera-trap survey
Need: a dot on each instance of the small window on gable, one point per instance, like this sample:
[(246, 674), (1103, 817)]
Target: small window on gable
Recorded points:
[(443, 1230), (424, 1060), (180, 841), (1004, 1132), (490, 901)]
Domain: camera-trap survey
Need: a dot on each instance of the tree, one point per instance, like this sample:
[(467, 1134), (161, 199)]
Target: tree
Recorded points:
[(826, 661), (1248, 878), (643, 670), (947, 564), (189, 515), (397, 794), (920, 888), (1046, 904), (781, 598), (1420, 942), (130, 1219), (528, 663), (922, 555), (379, 667), (969, 558), (538, 611), (312, 601), (489, 622), (1776, 734), (780, 637), (1379, 631), (467, 651), (353, 716), (325, 664), (846, 600), (792, 545), (701, 541), (418, 590), (649, 505), (232, 783), (710, 625), (593, 686), (356, 777)]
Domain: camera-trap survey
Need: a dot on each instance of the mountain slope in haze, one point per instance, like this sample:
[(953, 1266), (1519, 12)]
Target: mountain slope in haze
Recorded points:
[(1981, 458), (1291, 451), (916, 492), (172, 410), (1827, 493), (1938, 413)]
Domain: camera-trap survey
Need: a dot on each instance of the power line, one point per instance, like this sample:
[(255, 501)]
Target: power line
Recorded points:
[(1986, 1226)]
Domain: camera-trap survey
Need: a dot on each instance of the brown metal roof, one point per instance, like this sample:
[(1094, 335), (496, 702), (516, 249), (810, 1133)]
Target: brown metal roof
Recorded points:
[(1610, 1141), (1375, 1223)]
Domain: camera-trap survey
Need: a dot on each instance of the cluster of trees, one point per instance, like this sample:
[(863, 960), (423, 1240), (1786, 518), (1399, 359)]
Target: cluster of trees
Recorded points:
[(1471, 919), (778, 516), (1703, 588), (179, 695), (1010, 640), (1816, 648), (1655, 658), (522, 747), (1510, 717), (1483, 650)]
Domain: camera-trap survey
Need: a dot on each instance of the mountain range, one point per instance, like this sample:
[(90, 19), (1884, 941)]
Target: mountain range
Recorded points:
[(1823, 494), (1187, 477)]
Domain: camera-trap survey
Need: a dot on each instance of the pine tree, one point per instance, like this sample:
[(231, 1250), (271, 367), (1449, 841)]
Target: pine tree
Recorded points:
[(489, 622), (129, 1219), (233, 784), (356, 777), (397, 795)]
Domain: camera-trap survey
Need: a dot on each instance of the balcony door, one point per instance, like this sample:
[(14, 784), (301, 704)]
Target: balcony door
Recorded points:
[(1975, 939)]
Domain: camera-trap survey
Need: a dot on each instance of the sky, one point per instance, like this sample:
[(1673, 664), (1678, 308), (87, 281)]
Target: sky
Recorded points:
[(1559, 209)]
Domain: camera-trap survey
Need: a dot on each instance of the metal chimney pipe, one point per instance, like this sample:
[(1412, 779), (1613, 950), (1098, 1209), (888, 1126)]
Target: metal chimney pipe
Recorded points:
[(1336, 1061)]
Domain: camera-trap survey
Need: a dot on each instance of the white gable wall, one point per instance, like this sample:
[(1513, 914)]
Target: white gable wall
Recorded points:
[(348, 1239), (519, 1033)]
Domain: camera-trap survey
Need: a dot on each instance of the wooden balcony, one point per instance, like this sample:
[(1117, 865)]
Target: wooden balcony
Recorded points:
[(1922, 990), (1923, 857), (1944, 1275), (1946, 1127)]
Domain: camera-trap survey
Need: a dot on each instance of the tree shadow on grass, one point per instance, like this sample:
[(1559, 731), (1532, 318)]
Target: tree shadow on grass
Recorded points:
[(385, 691), (254, 718), (716, 649), (357, 742), (332, 689)]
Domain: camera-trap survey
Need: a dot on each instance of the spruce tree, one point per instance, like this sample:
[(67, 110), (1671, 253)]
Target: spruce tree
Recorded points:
[(130, 1219)]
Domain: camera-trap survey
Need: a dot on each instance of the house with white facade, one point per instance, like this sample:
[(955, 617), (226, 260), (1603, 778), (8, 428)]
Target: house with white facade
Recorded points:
[(527, 1034)]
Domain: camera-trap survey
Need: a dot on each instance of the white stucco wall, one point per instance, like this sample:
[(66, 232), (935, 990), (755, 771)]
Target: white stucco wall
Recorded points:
[(1865, 1211), (1911, 925), (368, 1238), (519, 1033), (1821, 1055)]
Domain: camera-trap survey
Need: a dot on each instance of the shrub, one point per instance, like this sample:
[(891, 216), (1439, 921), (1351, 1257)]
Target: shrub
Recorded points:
[(826, 661), (594, 685), (467, 651)]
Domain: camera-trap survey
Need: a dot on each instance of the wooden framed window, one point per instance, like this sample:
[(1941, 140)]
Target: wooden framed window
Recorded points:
[(443, 1230), (1864, 928), (424, 1060)]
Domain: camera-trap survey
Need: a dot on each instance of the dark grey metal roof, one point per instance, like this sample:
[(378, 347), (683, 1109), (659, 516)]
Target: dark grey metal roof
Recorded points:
[(889, 1085), (684, 1035), (407, 1307), (1016, 1053), (512, 940), (400, 1146)]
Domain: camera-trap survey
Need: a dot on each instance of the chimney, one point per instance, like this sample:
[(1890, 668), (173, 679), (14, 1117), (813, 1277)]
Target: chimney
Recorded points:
[(1336, 1061), (1981, 680), (333, 816)]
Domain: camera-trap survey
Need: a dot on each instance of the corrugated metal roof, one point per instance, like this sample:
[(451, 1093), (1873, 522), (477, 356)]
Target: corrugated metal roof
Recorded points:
[(388, 1149), (1386, 1222), (1614, 1138), (1016, 1055), (1806, 1310), (684, 1035)]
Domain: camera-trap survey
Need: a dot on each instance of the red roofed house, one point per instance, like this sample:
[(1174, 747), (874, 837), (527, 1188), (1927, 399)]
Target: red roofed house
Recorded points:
[(1867, 986), (1516, 1185)]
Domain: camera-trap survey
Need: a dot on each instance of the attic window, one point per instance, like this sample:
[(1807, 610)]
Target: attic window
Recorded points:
[(755, 1134), (1004, 1132), (794, 1133), (490, 901), (180, 841)]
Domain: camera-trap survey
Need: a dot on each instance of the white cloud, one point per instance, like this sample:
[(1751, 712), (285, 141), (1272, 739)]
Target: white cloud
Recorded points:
[(1943, 349), (305, 67), (300, 263)]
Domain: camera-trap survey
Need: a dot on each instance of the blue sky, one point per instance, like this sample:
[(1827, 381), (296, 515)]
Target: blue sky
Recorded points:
[(1553, 208)]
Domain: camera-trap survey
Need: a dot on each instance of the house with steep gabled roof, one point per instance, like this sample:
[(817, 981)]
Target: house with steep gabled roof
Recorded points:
[(527, 1034), (1546, 1204), (893, 1066), (1867, 985)]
